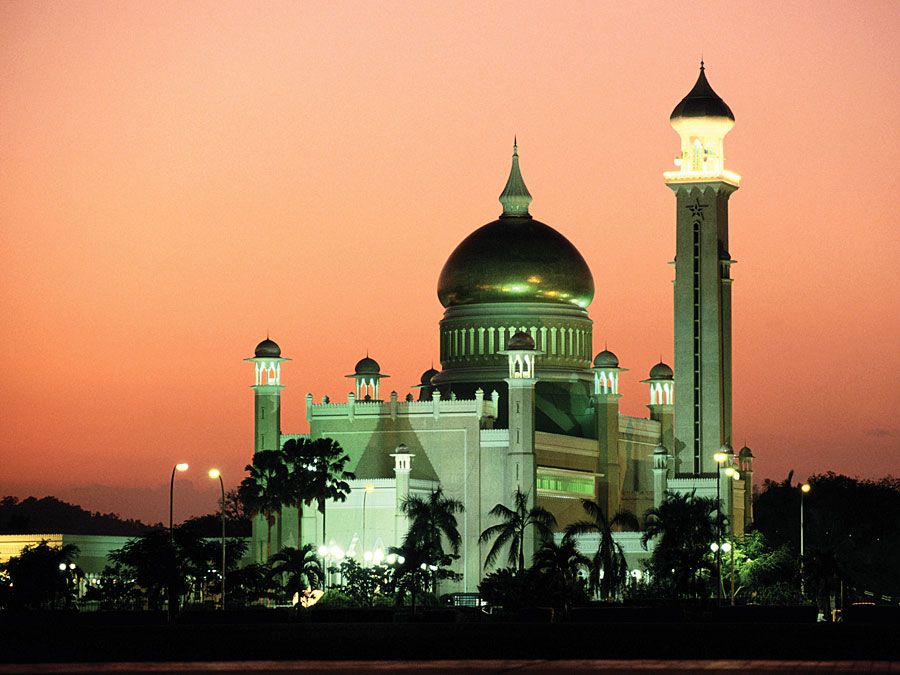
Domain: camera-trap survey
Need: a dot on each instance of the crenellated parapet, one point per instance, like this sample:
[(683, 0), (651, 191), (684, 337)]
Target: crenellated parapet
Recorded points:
[(436, 407)]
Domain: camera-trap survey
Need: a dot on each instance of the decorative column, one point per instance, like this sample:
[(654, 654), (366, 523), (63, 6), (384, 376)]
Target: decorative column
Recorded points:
[(606, 411), (662, 399), (745, 461), (520, 464), (660, 470), (402, 468)]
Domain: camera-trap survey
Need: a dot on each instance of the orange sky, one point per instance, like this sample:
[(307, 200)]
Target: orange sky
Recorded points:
[(178, 178)]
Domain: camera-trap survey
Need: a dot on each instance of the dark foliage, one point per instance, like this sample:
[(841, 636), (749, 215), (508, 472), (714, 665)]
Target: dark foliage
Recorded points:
[(34, 579), (49, 514), (852, 530)]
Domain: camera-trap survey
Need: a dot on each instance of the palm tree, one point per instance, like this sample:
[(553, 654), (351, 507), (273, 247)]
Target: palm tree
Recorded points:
[(685, 525), (299, 456), (300, 566), (328, 478), (609, 558), (558, 565), (432, 519), (517, 522), (264, 490)]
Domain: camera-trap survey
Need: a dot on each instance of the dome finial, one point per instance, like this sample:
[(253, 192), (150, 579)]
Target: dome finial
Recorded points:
[(515, 196)]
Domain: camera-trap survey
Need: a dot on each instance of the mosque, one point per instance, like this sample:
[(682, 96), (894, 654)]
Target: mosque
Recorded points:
[(519, 402)]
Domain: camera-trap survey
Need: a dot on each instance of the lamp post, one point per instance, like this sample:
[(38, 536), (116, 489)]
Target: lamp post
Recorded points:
[(181, 466), (369, 488), (720, 458), (215, 473), (729, 547), (803, 490)]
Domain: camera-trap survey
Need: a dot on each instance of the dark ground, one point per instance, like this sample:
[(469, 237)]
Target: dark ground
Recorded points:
[(92, 640)]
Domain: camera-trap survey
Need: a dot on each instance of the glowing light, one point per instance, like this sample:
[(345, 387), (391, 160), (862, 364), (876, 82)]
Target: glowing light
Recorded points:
[(726, 547), (720, 457), (730, 472), (805, 487), (183, 466), (323, 551), (214, 473)]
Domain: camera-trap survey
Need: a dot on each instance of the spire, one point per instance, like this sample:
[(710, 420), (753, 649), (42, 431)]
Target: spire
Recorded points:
[(515, 196)]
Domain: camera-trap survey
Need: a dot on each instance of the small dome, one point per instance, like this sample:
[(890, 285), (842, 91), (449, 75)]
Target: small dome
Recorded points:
[(661, 371), (267, 349), (727, 449), (520, 341), (702, 101), (746, 452), (367, 366), (660, 450), (425, 380), (606, 359)]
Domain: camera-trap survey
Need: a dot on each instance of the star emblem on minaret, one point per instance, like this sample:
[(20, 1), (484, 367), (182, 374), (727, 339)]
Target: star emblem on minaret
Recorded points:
[(697, 208)]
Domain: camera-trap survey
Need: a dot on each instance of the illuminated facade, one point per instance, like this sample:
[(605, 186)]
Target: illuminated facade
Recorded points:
[(519, 402)]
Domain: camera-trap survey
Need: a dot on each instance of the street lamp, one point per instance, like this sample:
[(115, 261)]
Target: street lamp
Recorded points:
[(181, 466), (720, 458), (728, 547), (215, 473), (369, 488), (803, 490)]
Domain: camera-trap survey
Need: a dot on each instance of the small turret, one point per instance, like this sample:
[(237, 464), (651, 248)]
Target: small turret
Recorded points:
[(522, 356), (662, 384), (367, 374), (606, 373)]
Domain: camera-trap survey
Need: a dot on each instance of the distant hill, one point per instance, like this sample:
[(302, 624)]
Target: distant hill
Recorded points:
[(50, 515)]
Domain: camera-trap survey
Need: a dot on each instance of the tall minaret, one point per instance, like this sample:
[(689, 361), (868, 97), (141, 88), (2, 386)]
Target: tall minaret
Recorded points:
[(267, 396), (520, 468), (267, 388), (702, 186)]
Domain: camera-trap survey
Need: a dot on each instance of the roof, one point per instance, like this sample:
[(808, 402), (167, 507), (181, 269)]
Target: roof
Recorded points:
[(702, 101)]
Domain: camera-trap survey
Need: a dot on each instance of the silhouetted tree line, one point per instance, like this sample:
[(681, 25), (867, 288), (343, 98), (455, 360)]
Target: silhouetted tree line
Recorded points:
[(852, 531), (51, 515)]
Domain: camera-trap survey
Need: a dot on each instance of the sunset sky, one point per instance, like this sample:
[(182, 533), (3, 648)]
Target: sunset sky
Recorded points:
[(176, 179)]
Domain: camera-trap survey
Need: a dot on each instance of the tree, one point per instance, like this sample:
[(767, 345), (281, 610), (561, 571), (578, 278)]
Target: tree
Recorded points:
[(558, 565), (685, 526), (366, 586), (115, 589), (517, 523), (249, 584), (328, 477), (263, 491), (608, 569), (822, 572), (155, 566), (43, 576), (300, 456), (855, 519), (299, 567), (432, 519)]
